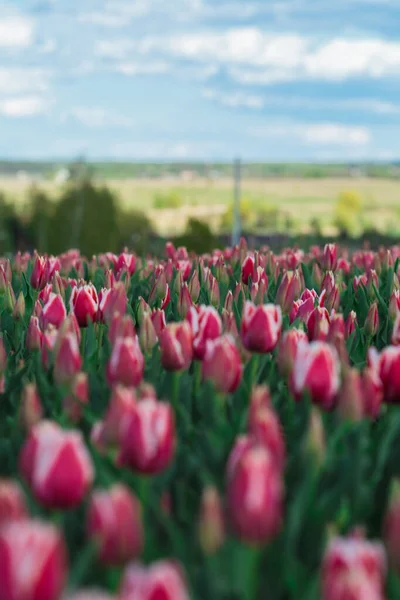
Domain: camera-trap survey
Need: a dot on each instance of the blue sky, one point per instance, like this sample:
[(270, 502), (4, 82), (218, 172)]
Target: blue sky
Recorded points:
[(200, 79)]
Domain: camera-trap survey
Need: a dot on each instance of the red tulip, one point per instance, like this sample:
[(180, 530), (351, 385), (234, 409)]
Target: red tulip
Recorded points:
[(114, 521), (176, 346), (125, 262), (229, 324), (350, 401), (121, 327), (211, 521), (387, 365), (148, 437), (54, 312), (287, 349), (222, 364), (142, 309), (329, 257), (122, 404), (394, 305), (159, 321), (249, 270), (12, 502), (38, 276), (206, 325), (318, 324), (57, 465), (194, 286), (163, 580), (261, 327), (316, 371), (373, 392), (33, 561), (353, 569), (111, 301), (184, 301), (266, 429), (126, 364), (68, 361), (49, 339), (84, 304), (255, 497), (350, 323), (160, 291), (44, 294), (31, 410), (288, 291)]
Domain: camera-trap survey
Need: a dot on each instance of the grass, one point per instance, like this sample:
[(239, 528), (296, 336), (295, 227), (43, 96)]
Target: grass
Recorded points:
[(303, 199)]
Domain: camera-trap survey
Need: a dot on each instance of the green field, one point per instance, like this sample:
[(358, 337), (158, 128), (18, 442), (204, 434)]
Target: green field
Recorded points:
[(303, 200)]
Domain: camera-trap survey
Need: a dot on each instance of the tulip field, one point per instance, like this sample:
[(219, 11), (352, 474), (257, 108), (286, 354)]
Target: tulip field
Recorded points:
[(215, 427)]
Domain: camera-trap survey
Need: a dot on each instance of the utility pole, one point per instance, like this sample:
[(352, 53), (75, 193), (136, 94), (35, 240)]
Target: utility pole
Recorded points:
[(236, 228)]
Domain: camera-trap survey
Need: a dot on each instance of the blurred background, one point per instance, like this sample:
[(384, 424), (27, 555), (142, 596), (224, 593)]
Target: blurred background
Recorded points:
[(126, 122)]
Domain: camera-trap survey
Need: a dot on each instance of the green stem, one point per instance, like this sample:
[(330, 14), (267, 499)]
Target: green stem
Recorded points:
[(83, 342), (176, 376), (100, 341)]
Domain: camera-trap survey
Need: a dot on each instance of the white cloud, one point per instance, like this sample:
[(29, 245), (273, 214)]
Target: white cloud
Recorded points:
[(95, 116), (253, 56), (136, 68), (23, 80), (24, 106), (235, 99), (16, 31), (317, 134)]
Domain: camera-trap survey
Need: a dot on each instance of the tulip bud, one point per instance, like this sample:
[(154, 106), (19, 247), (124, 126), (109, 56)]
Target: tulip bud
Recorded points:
[(211, 521), (214, 291), (57, 285), (255, 497), (114, 521), (54, 312), (329, 257), (159, 321), (261, 327), (3, 280), (260, 398), (67, 361), (194, 286), (178, 282), (31, 410), (74, 402), (126, 364), (125, 262), (160, 292), (176, 346), (184, 301), (84, 304), (148, 437), (353, 568), (315, 437), (394, 305), (38, 276), (318, 324), (147, 335), (388, 368), (350, 324), (19, 308), (332, 300), (206, 325), (287, 349), (12, 502), (372, 281), (228, 305), (328, 282), (33, 561), (222, 364), (396, 331), (163, 579), (142, 308), (317, 371), (371, 324), (391, 526), (9, 299), (57, 466), (239, 295)]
